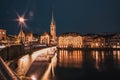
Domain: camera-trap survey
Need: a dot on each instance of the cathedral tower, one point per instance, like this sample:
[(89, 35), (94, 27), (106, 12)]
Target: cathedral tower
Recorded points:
[(53, 28)]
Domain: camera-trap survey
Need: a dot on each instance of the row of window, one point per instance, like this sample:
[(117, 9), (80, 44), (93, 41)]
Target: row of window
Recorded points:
[(2, 32)]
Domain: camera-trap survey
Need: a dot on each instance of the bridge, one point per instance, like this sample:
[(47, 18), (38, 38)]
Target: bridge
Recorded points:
[(42, 66), (44, 59), (6, 73)]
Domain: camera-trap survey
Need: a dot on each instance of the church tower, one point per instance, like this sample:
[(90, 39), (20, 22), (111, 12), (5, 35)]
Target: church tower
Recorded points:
[(53, 29)]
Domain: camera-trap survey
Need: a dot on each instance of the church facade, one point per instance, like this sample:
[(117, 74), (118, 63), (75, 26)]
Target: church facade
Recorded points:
[(45, 38), (50, 38), (26, 37)]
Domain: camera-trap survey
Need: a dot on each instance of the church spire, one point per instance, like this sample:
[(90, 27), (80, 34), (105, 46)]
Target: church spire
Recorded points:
[(53, 30), (52, 21)]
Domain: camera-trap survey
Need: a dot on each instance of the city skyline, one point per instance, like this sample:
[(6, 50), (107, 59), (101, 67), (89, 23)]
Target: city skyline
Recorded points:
[(70, 16)]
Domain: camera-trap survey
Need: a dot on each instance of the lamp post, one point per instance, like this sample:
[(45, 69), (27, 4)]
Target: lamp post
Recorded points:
[(21, 22)]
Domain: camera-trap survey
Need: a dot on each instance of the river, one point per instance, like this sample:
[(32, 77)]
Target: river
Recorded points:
[(78, 65), (88, 65)]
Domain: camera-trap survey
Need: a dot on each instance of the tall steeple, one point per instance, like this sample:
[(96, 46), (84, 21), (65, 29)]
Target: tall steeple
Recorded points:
[(52, 21), (53, 28)]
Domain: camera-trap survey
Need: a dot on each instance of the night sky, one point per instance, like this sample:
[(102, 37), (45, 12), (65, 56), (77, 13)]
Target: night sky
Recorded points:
[(83, 16)]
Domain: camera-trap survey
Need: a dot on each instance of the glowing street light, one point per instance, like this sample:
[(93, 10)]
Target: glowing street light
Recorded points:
[(21, 20)]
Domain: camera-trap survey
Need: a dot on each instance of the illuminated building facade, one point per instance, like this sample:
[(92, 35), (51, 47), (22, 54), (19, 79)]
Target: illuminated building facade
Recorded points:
[(113, 41), (2, 34), (21, 36), (26, 37), (12, 39), (93, 41), (45, 38), (70, 40), (87, 40), (98, 42), (29, 37)]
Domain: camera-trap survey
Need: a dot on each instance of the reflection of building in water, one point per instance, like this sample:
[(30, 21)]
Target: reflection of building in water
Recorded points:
[(73, 40), (70, 59), (116, 56), (118, 52), (98, 59), (106, 59)]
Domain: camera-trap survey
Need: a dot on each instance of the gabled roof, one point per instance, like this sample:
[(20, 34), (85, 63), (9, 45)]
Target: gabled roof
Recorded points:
[(46, 33), (26, 32)]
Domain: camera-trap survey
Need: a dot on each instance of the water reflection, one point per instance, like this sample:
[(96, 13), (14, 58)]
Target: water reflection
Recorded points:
[(75, 61), (88, 65), (70, 58), (116, 56), (99, 60)]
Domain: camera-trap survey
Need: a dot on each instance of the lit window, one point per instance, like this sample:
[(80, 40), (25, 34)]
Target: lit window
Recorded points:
[(3, 32)]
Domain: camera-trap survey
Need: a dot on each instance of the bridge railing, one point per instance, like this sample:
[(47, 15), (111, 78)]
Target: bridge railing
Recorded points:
[(7, 72)]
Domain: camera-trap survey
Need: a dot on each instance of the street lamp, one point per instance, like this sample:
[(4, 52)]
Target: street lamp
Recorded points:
[(22, 23), (21, 19)]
